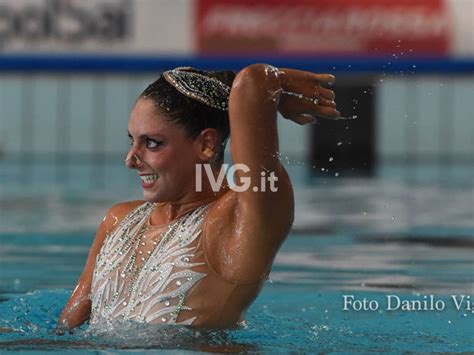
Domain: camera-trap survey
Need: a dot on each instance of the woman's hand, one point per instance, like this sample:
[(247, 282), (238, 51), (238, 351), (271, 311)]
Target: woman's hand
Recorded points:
[(304, 98)]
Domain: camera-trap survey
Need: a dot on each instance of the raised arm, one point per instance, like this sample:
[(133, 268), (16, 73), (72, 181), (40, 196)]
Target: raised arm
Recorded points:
[(263, 219), (258, 93)]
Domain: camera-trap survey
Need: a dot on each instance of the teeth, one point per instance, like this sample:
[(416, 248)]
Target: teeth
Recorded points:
[(148, 179)]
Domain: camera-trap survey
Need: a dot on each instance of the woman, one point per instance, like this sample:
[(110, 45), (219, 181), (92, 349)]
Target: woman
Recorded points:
[(189, 254)]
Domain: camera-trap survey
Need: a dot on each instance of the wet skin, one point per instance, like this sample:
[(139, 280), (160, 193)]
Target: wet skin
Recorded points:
[(244, 230)]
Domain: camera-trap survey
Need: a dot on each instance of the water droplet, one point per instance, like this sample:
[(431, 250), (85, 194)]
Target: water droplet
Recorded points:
[(331, 158), (339, 143), (336, 174), (365, 213)]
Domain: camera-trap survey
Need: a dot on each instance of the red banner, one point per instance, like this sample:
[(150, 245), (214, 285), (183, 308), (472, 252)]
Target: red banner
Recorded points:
[(327, 27)]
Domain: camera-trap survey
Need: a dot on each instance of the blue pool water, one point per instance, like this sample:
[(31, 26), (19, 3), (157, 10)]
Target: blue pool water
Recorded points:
[(371, 239)]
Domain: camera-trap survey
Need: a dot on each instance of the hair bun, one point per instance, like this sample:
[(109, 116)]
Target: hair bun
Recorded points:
[(225, 76), (205, 87)]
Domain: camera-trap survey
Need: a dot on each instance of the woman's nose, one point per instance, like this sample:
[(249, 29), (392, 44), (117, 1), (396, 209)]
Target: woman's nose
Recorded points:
[(132, 160)]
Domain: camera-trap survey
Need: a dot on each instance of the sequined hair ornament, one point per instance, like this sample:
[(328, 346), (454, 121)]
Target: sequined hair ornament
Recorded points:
[(209, 91)]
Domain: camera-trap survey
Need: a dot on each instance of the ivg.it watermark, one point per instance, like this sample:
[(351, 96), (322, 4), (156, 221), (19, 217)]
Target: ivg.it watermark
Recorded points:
[(227, 171)]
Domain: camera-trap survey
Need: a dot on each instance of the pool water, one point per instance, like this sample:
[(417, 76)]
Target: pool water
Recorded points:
[(353, 239)]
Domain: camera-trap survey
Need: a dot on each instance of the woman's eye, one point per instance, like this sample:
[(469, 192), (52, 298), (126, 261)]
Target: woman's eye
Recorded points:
[(150, 143)]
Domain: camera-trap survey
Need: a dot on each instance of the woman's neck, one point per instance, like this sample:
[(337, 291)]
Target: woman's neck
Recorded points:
[(166, 212)]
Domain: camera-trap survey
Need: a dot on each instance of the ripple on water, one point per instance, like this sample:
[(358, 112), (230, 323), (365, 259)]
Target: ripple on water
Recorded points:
[(282, 319)]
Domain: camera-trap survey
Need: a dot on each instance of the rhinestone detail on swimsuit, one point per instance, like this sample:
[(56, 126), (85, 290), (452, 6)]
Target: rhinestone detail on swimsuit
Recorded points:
[(148, 287)]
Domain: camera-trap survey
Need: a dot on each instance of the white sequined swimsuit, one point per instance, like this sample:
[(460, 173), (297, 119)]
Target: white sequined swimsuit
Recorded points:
[(144, 272)]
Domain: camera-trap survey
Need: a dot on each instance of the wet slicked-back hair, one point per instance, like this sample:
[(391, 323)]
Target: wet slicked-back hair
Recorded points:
[(191, 114)]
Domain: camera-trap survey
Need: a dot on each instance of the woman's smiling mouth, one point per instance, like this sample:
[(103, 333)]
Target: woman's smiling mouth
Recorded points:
[(148, 180)]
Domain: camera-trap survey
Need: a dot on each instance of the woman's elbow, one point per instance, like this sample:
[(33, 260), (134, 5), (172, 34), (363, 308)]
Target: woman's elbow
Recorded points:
[(257, 79)]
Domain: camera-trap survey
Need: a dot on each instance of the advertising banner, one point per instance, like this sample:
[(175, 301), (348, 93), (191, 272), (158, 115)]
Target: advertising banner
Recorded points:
[(238, 27), (95, 26), (329, 27)]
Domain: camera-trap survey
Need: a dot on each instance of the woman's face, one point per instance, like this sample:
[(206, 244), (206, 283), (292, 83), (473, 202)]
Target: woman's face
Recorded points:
[(164, 157)]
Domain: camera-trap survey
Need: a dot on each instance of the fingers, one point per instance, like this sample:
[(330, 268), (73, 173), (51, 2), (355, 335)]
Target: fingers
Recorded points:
[(317, 93), (308, 84), (326, 79), (328, 103), (314, 97), (293, 108), (326, 93), (304, 97)]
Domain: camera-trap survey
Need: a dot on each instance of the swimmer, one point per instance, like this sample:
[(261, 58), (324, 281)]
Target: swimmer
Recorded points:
[(189, 255)]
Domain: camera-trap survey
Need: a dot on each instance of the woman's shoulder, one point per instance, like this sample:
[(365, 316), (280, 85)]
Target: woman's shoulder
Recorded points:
[(110, 221), (119, 211), (126, 207)]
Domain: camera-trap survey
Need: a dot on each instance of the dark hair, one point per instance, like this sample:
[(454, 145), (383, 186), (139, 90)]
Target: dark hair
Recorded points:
[(191, 114)]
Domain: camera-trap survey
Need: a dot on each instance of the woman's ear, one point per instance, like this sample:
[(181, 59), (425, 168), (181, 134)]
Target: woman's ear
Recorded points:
[(208, 144)]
